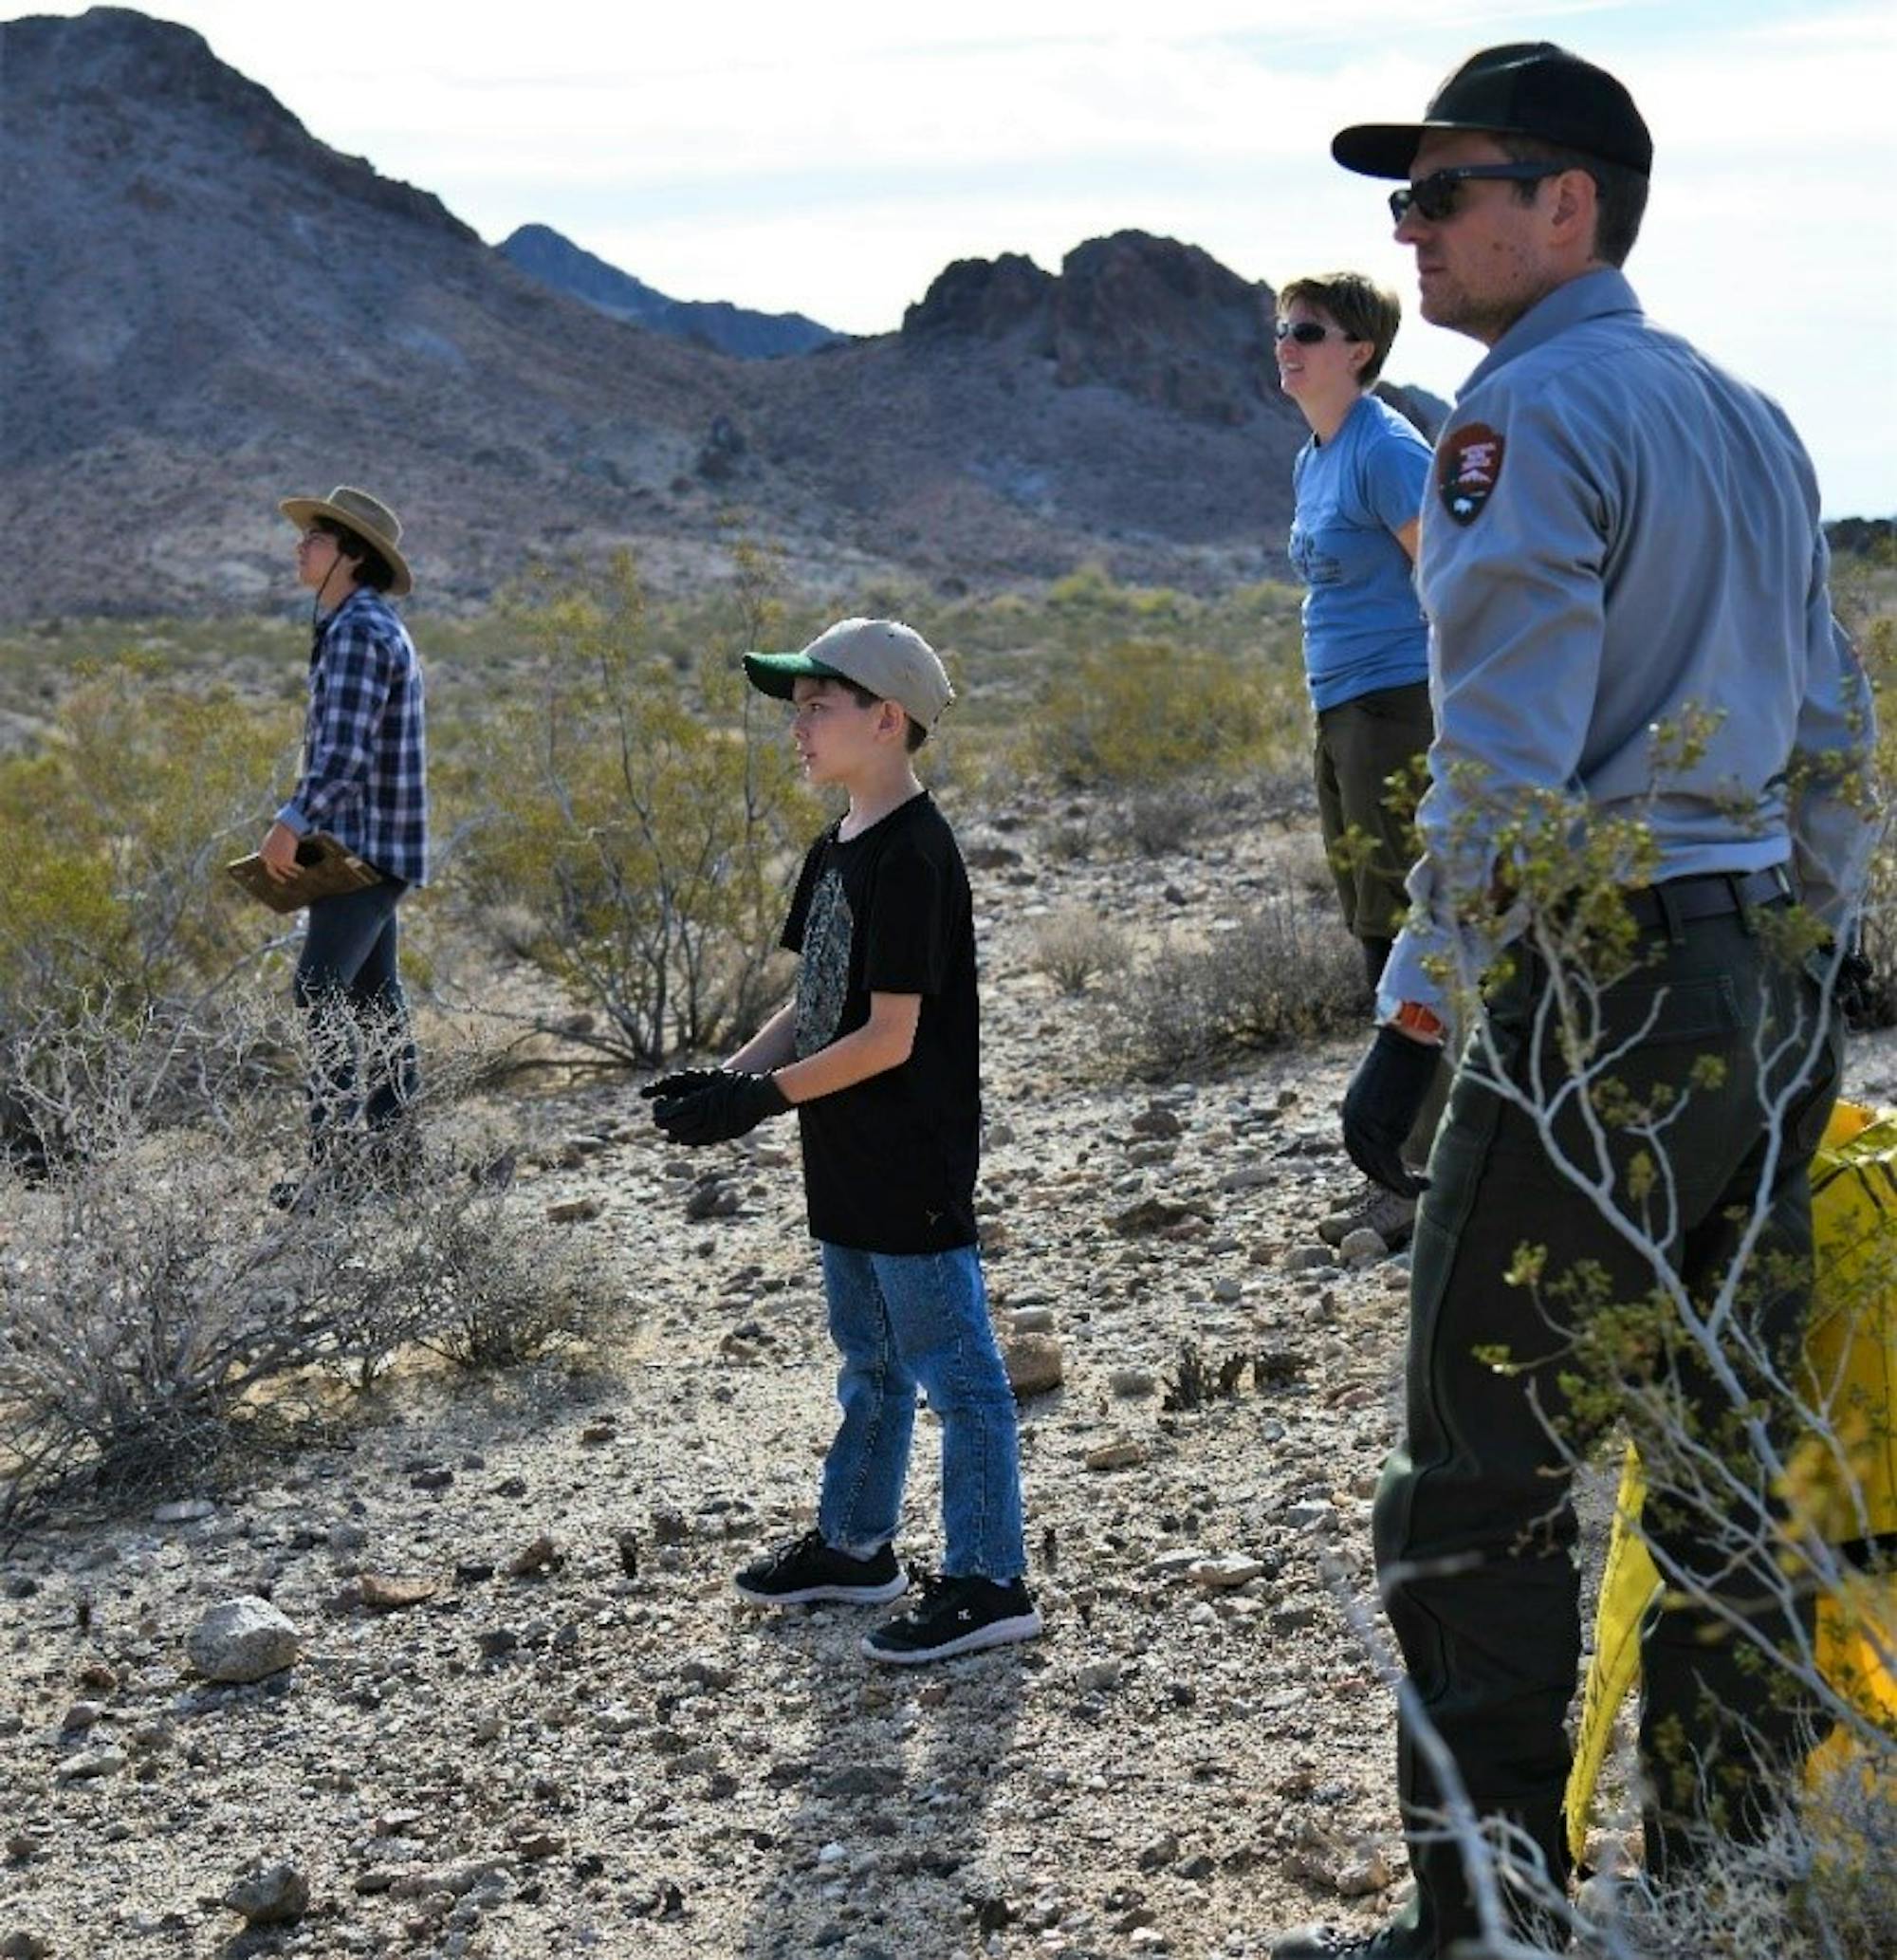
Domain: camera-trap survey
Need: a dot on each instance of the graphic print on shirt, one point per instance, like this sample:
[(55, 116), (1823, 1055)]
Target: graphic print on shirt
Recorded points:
[(824, 971), (1469, 469)]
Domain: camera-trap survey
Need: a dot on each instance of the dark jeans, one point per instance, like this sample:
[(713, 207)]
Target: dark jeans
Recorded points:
[(1474, 1524), (349, 987)]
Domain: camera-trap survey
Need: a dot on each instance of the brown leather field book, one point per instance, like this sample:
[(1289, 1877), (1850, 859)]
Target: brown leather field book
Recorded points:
[(324, 869)]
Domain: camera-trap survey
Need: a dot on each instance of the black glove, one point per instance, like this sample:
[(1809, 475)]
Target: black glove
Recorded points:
[(1857, 990), (680, 1083), (729, 1105), (1381, 1105)]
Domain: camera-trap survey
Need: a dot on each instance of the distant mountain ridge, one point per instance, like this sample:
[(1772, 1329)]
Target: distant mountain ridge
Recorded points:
[(545, 254), (207, 307)]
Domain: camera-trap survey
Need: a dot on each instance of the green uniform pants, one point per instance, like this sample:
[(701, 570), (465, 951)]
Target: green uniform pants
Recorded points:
[(1473, 1523)]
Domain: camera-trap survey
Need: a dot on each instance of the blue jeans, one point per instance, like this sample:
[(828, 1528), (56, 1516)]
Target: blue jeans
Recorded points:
[(900, 1321), (349, 987)]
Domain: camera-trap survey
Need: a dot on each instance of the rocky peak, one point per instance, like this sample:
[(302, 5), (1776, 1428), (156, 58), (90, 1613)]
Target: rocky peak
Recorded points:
[(1165, 322), (113, 54), (111, 65), (1155, 318), (984, 299)]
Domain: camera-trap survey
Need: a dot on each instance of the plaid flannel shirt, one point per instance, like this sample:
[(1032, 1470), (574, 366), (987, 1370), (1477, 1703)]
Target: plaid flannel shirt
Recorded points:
[(364, 759)]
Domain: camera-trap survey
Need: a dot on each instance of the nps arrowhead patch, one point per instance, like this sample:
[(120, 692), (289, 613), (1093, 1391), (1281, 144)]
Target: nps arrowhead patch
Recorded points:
[(1468, 467)]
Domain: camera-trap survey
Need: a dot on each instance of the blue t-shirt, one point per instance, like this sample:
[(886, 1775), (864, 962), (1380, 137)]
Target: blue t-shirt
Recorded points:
[(1363, 626)]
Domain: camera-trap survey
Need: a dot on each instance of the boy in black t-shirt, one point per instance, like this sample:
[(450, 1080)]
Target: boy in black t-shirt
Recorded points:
[(880, 1054)]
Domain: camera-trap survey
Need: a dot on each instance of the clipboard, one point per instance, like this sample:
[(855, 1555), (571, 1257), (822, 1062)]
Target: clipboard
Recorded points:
[(326, 869)]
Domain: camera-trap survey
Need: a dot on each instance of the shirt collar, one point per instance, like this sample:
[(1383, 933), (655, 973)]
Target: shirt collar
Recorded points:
[(324, 620), (1590, 296)]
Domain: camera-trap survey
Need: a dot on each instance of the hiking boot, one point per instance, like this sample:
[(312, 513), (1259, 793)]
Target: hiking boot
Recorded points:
[(955, 1616), (1382, 1212), (1404, 1938), (805, 1570)]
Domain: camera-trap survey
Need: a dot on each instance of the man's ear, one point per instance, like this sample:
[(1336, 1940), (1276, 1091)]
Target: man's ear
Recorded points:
[(892, 718), (1577, 201)]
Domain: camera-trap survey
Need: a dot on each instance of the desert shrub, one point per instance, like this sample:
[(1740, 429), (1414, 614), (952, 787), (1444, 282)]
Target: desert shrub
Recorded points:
[(1820, 1884), (1282, 973), (643, 821), (1163, 820), (1145, 713), (157, 1313), (118, 830), (1076, 945), (1864, 590)]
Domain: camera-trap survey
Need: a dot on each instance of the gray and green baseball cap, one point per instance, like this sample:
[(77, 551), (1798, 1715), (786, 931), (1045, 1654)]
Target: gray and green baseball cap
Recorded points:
[(883, 657)]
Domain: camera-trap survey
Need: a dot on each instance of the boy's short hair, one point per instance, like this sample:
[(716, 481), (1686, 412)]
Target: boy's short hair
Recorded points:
[(1364, 309), (913, 733)]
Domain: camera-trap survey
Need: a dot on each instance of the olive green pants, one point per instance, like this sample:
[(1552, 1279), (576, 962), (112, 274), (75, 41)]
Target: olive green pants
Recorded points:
[(1360, 744), (1474, 1524)]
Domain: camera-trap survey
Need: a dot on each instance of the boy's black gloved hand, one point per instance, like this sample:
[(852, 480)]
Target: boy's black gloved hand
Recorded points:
[(725, 1107), (1381, 1106), (680, 1083)]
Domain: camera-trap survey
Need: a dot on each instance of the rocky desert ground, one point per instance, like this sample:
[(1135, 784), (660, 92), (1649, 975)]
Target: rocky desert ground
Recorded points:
[(522, 1713)]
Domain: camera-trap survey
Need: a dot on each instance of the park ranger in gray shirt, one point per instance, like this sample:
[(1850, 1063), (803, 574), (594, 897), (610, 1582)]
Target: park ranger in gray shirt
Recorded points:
[(1630, 640)]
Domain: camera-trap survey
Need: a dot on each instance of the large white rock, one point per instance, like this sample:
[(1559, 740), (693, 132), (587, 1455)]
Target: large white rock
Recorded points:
[(244, 1639)]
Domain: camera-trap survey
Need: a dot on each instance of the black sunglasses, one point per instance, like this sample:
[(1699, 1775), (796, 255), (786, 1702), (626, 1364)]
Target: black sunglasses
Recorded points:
[(1307, 333), (1434, 196)]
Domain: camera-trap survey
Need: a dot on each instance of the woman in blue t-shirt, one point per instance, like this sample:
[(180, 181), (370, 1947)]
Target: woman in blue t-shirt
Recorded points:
[(1358, 484)]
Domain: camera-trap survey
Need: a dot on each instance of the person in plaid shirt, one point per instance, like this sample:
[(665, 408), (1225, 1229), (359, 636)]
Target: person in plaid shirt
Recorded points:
[(365, 783)]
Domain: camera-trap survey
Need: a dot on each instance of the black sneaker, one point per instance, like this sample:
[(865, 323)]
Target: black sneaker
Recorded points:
[(1399, 1941), (955, 1616), (806, 1570)]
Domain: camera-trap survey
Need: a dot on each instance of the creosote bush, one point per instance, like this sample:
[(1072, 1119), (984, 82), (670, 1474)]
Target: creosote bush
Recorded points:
[(1283, 972), (1075, 946), (644, 820), (118, 832), (157, 1312), (1143, 714)]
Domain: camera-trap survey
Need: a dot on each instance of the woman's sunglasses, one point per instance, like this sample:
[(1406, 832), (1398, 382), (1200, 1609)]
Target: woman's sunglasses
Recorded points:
[(1307, 333), (1434, 197)]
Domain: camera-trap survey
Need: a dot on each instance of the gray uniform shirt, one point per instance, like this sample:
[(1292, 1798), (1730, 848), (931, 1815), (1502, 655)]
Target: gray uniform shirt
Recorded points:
[(1618, 536)]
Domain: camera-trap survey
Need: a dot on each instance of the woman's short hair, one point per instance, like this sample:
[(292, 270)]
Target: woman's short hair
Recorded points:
[(372, 568), (1364, 309)]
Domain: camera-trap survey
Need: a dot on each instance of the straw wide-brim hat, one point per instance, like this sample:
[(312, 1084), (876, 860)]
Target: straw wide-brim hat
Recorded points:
[(368, 517)]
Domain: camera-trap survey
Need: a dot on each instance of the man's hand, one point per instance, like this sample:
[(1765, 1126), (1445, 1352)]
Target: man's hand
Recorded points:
[(1381, 1106), (278, 852), (725, 1107), (682, 1082)]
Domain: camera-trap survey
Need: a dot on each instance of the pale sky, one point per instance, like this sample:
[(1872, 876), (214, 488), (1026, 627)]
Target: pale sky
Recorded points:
[(831, 158)]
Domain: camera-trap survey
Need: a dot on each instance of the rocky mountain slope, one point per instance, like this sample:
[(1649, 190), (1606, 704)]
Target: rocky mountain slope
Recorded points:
[(208, 307), (543, 254)]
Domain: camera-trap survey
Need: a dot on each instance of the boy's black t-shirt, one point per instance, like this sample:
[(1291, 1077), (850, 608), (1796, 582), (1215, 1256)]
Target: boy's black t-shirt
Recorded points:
[(889, 1163)]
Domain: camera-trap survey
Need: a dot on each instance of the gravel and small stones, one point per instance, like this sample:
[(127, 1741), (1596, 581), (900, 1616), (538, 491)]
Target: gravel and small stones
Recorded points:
[(1362, 1247), (1035, 1364), (594, 1749), (394, 1593), (536, 1559), (269, 1895), (243, 1641)]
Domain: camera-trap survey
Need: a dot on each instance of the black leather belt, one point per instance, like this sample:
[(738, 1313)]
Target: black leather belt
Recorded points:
[(1678, 901)]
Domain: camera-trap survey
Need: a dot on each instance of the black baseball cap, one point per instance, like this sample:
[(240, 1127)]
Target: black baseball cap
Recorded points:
[(1529, 88)]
